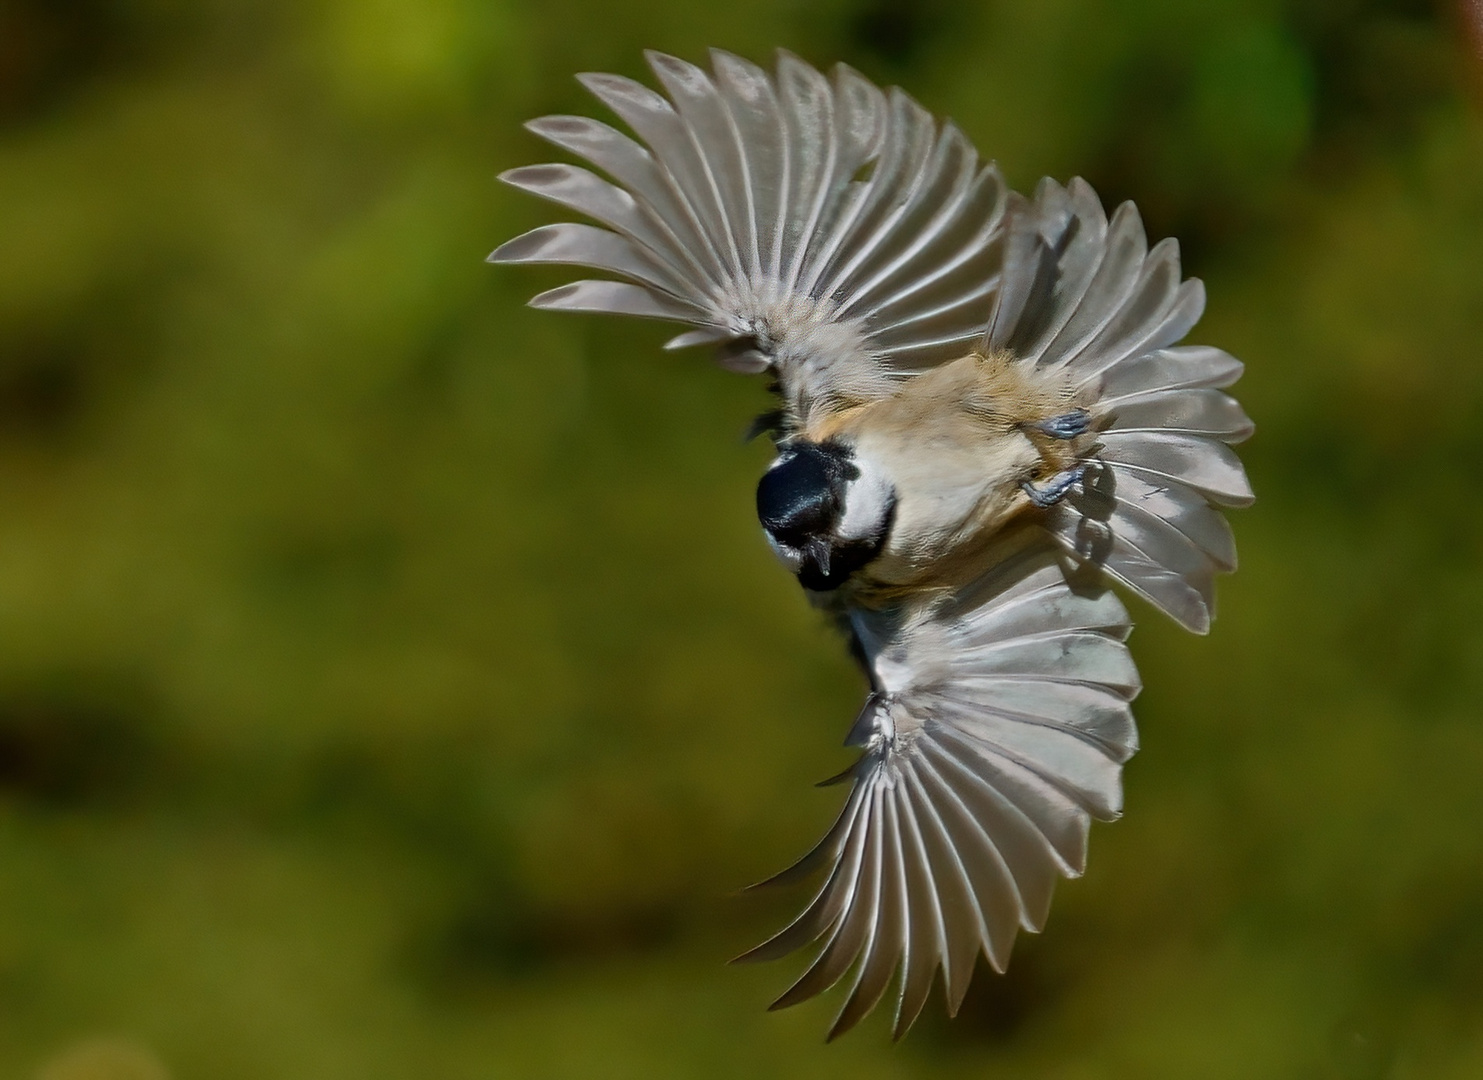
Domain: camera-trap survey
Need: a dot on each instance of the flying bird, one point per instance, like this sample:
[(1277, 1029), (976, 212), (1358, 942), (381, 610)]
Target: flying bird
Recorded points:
[(984, 418)]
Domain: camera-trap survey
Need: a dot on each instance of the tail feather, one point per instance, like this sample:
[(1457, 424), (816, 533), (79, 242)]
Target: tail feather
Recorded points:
[(985, 761)]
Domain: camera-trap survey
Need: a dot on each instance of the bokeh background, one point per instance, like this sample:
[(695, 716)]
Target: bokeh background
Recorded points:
[(394, 682)]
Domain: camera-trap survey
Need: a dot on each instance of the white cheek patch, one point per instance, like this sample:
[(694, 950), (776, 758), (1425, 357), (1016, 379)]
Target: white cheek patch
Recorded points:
[(867, 503)]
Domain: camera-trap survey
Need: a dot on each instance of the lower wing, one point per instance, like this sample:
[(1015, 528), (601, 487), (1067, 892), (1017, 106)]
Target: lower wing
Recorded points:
[(996, 731)]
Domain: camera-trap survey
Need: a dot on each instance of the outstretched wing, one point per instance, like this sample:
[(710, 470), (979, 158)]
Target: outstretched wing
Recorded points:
[(996, 731), (818, 227), (1087, 299), (834, 234)]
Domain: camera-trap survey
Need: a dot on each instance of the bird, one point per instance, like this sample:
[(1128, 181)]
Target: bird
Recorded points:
[(987, 422)]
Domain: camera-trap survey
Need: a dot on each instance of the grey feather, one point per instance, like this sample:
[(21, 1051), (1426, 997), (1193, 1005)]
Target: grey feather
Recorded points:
[(746, 202), (1204, 412), (752, 106), (926, 937), (1089, 299), (655, 121), (612, 298), (718, 152), (676, 237), (1206, 465), (586, 245), (1180, 368), (985, 762)]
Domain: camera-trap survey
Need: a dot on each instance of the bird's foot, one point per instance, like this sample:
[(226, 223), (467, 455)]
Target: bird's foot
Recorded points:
[(1067, 425), (1055, 489)]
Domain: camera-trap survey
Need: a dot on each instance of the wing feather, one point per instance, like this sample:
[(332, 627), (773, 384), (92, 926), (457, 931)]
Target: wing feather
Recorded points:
[(1021, 851), (914, 216), (680, 237), (873, 230), (885, 938), (995, 895), (752, 103), (612, 298), (1042, 803), (996, 733), (836, 234), (1076, 230), (927, 942), (828, 903), (955, 193), (1122, 251), (1141, 310), (821, 139), (1186, 367), (656, 122), (963, 257), (584, 245), (1206, 465), (582, 191), (1100, 661), (855, 927), (1087, 300), (718, 153), (834, 230), (1205, 412)]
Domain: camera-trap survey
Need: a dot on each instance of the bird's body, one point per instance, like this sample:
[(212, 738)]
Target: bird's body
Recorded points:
[(984, 418), (955, 443)]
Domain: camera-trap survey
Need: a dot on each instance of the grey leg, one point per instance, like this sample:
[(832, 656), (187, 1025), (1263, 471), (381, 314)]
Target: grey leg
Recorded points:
[(1053, 490), (1066, 426)]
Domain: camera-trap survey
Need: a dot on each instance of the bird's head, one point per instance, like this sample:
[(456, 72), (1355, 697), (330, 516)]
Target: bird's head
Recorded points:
[(826, 513)]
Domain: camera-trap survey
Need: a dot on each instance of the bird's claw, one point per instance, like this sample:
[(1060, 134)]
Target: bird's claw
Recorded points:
[(1055, 489), (1067, 425)]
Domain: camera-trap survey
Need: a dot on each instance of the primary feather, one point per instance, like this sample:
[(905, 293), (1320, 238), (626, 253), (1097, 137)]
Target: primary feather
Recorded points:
[(835, 236), (832, 229)]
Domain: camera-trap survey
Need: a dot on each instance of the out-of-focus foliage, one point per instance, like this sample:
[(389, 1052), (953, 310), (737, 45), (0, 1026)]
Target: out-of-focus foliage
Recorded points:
[(394, 683)]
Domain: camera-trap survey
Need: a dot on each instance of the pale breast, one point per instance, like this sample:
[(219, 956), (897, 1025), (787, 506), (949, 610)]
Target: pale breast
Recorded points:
[(953, 443), (953, 482)]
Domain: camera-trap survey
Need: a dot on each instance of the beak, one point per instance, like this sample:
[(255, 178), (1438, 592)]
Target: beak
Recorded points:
[(817, 550)]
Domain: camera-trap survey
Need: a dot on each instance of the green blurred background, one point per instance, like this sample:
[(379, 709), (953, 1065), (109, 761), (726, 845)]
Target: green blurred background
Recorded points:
[(394, 682)]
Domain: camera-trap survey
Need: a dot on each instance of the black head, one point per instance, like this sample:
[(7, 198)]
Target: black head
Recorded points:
[(801, 502), (802, 496)]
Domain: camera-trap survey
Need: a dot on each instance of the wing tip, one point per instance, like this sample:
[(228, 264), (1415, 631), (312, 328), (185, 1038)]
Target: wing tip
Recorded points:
[(513, 250), (552, 299), (510, 176), (754, 955)]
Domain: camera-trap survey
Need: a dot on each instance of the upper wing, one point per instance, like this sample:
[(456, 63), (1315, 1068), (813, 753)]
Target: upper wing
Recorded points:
[(1086, 298), (997, 729), (820, 227), (835, 234)]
